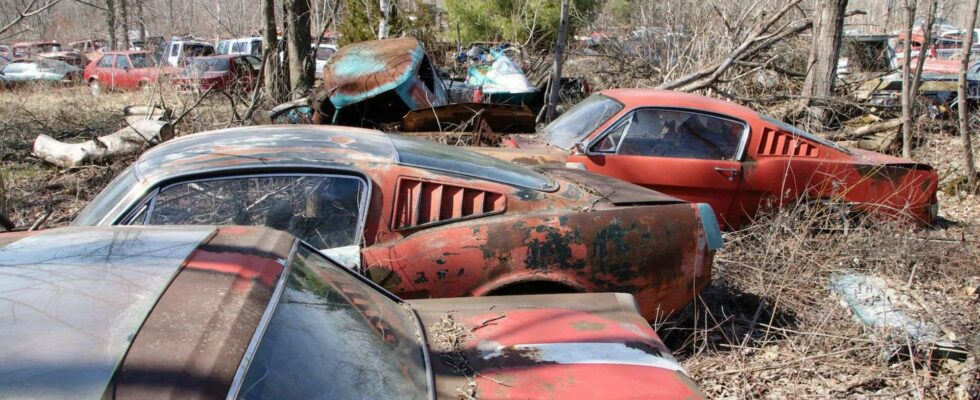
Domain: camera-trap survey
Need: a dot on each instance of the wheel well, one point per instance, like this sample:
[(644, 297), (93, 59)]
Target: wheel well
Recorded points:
[(533, 287), (92, 79)]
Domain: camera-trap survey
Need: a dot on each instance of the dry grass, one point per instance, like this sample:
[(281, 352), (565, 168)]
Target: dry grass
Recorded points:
[(769, 327)]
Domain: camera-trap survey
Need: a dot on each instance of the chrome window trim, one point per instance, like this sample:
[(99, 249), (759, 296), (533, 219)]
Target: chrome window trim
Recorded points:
[(624, 119), (150, 195), (253, 344)]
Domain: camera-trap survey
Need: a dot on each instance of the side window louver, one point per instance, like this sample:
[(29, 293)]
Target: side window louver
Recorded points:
[(421, 203)]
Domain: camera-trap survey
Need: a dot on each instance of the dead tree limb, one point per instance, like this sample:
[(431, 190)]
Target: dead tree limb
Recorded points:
[(27, 12), (128, 140)]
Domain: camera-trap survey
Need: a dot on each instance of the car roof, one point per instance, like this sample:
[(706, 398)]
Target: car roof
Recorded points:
[(262, 146), (223, 56), (124, 52), (95, 306), (363, 70), (76, 298), (632, 98)]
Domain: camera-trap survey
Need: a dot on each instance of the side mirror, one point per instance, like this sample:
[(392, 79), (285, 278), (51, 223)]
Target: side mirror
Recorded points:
[(581, 147)]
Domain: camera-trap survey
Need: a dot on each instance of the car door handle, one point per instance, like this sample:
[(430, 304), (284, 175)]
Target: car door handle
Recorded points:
[(732, 172)]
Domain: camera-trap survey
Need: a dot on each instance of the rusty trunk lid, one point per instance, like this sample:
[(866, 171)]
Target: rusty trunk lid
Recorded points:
[(566, 346)]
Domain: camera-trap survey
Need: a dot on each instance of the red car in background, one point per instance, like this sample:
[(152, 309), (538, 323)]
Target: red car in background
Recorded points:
[(123, 70), (713, 151), (221, 72)]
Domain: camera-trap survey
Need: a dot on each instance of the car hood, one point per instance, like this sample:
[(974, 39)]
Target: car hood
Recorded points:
[(566, 346)]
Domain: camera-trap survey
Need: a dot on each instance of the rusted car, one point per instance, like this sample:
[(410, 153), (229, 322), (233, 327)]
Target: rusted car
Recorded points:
[(377, 81), (49, 49), (252, 313), (124, 70), (707, 150), (228, 72), (423, 219)]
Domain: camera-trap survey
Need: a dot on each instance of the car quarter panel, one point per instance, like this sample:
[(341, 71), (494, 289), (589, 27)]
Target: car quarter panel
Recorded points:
[(655, 253)]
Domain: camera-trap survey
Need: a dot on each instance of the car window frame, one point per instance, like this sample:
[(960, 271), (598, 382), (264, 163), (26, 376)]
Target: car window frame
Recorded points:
[(256, 340), (146, 201), (627, 116)]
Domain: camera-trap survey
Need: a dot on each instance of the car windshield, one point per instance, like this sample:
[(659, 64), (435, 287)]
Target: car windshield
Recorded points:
[(804, 134), (47, 48), (333, 336), (197, 66), (141, 60), (453, 160), (578, 122)]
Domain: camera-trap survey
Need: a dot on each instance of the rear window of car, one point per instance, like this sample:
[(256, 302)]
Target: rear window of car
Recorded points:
[(141, 60), (455, 160)]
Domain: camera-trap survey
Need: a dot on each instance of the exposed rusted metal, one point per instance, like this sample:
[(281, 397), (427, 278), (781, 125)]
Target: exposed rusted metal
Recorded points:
[(501, 118), (581, 237), (510, 351)]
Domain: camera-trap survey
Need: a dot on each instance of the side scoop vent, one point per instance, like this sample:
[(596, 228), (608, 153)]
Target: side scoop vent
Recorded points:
[(777, 143), (423, 203)]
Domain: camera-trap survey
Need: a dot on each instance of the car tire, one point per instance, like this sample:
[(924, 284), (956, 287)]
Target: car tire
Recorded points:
[(95, 87)]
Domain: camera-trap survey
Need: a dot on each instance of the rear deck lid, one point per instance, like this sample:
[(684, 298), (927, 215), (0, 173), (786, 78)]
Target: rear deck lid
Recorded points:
[(618, 192)]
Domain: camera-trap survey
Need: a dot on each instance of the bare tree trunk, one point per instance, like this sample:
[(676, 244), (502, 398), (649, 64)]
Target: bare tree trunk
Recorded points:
[(559, 54), (298, 46), (823, 58), (110, 14), (140, 22), (924, 49), (124, 16), (383, 23), (270, 50), (906, 81), (971, 171), (170, 10)]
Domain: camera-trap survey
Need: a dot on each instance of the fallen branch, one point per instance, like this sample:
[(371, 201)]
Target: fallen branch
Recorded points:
[(864, 131), (128, 140)]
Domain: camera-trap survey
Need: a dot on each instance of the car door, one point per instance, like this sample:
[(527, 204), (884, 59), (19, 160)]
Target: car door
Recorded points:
[(103, 69), (122, 73), (325, 210), (684, 153)]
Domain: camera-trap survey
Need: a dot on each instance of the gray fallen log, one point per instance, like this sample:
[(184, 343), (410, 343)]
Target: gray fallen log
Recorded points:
[(129, 140)]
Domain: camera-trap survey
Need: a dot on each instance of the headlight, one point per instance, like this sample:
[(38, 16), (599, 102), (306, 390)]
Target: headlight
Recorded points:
[(710, 224)]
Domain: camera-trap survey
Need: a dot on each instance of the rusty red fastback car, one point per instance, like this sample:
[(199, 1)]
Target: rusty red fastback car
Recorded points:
[(708, 150), (424, 219), (252, 313)]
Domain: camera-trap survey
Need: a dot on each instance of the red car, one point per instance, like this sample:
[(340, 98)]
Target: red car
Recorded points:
[(707, 150), (424, 219), (204, 312), (123, 70), (221, 72)]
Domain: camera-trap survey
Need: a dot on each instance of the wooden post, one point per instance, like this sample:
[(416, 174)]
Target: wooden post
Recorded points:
[(559, 53), (383, 23), (971, 171)]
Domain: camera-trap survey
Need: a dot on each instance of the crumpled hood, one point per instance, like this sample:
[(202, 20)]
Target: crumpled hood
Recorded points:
[(567, 346)]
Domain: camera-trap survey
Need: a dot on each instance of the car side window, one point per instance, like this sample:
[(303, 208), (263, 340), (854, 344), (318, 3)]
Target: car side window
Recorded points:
[(323, 210), (106, 62), (174, 49), (610, 142), (256, 48), (238, 47), (681, 134), (122, 62)]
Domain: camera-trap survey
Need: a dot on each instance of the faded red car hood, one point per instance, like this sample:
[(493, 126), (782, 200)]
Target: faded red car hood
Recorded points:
[(569, 346)]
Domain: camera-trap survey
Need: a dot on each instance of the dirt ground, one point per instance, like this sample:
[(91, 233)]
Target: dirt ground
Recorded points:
[(767, 327)]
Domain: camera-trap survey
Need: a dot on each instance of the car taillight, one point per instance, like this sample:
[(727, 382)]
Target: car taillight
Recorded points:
[(709, 222)]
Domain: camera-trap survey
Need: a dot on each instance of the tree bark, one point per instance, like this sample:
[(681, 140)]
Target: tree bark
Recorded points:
[(555, 85), (823, 58), (383, 23), (140, 22), (924, 49), (270, 51), (124, 18), (110, 14), (907, 81), (298, 46), (971, 171)]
